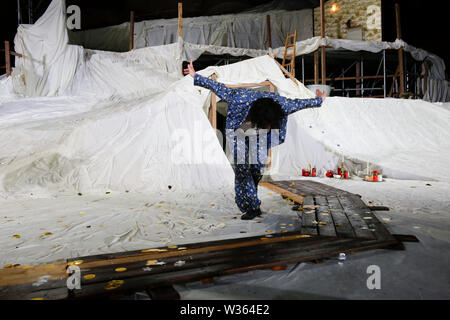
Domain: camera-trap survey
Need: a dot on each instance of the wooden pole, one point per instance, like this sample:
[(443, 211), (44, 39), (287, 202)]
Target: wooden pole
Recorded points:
[(316, 67), (358, 81), (425, 78), (401, 50), (213, 110), (269, 34), (322, 32), (131, 30), (180, 19), (7, 59)]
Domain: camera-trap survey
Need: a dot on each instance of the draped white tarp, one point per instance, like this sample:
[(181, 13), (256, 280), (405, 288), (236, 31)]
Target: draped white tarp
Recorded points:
[(245, 30)]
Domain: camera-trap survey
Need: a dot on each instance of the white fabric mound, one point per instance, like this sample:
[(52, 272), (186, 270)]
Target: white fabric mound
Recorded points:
[(405, 139)]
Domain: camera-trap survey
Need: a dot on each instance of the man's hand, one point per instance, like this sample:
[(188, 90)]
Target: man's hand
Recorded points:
[(321, 94), (190, 69)]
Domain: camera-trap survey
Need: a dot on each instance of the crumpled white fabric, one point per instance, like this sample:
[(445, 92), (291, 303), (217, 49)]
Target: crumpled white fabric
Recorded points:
[(49, 63)]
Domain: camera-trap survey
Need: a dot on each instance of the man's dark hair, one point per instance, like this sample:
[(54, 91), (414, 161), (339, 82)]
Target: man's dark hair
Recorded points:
[(266, 112)]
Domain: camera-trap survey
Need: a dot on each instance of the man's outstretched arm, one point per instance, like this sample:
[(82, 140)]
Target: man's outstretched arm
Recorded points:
[(290, 106), (222, 91)]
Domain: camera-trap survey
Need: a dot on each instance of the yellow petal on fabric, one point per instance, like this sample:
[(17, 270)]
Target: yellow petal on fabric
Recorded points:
[(89, 276), (37, 299), (82, 213), (120, 269), (268, 231), (151, 262), (16, 236), (303, 236), (114, 284), (107, 192), (172, 247), (48, 234)]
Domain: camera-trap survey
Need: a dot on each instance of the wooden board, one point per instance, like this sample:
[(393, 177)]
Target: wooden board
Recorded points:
[(309, 188)]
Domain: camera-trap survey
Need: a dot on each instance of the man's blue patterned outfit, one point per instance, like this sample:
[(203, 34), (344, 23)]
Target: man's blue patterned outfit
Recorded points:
[(248, 174)]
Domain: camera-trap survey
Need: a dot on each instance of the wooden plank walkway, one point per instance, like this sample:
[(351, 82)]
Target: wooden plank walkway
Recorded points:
[(330, 221)]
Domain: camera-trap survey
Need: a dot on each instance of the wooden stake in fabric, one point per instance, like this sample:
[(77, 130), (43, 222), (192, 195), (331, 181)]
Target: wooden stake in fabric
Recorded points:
[(316, 67), (131, 30), (322, 34), (269, 34), (324, 65), (213, 110), (7, 59), (322, 19), (401, 50), (180, 19)]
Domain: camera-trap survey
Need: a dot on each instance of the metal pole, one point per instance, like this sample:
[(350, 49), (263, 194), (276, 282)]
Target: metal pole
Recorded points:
[(362, 74), (19, 13), (303, 69), (30, 11), (384, 73)]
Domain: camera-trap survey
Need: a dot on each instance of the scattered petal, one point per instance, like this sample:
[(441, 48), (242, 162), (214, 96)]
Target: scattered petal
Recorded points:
[(114, 284), (16, 236), (89, 276), (75, 263), (151, 263), (120, 269)]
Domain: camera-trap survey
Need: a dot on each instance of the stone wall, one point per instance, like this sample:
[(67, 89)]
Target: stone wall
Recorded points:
[(364, 13)]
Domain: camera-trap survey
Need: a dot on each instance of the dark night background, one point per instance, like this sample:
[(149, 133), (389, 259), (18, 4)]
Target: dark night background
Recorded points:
[(424, 23)]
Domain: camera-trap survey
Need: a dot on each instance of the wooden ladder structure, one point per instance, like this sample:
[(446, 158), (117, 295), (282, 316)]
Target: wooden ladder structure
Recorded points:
[(290, 65)]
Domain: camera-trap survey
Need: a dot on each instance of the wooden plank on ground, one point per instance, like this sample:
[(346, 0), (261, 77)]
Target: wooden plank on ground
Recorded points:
[(355, 214), (309, 217), (290, 195), (343, 227), (374, 225), (310, 188), (324, 218)]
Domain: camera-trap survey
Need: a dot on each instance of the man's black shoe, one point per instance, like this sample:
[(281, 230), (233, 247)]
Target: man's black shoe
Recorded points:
[(252, 214)]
